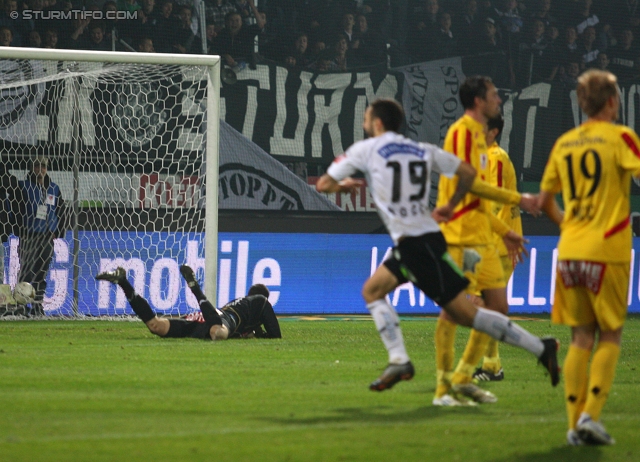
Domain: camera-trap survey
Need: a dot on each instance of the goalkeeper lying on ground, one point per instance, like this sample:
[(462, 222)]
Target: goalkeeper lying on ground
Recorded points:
[(240, 318)]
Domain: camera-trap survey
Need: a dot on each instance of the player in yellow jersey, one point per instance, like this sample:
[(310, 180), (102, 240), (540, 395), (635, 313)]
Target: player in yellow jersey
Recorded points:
[(502, 175), (469, 235), (592, 166)]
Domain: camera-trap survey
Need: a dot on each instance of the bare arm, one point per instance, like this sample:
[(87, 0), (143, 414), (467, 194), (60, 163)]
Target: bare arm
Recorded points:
[(327, 184)]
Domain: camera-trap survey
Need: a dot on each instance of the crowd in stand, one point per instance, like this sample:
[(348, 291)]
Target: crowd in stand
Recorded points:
[(537, 40)]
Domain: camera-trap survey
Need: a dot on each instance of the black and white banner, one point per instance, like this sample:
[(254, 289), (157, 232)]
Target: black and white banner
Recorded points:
[(291, 115), (298, 115), (430, 98), (19, 99)]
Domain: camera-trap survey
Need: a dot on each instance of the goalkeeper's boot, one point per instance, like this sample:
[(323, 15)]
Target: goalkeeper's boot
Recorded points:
[(483, 375), (188, 275), (392, 375), (549, 358), (115, 276), (450, 401)]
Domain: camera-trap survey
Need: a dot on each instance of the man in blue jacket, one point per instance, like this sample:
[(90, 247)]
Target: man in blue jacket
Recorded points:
[(41, 207)]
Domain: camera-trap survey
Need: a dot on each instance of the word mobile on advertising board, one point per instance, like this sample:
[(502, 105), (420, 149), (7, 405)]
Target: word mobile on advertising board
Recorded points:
[(306, 273)]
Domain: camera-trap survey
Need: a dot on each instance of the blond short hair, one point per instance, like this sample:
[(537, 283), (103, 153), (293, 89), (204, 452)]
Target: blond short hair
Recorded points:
[(595, 87)]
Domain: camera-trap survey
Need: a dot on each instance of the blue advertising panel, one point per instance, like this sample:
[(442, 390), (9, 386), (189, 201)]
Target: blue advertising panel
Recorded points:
[(306, 273)]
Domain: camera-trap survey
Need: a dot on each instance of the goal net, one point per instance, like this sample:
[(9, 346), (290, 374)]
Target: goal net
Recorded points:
[(129, 144)]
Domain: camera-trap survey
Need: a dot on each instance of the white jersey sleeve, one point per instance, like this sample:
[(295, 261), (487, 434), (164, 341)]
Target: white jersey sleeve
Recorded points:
[(444, 162), (349, 163)]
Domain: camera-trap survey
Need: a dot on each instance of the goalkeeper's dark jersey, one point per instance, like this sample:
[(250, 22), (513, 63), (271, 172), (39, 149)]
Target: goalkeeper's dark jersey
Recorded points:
[(249, 314), (245, 315)]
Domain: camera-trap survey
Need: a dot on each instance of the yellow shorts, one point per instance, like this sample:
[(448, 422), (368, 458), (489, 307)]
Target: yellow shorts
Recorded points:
[(507, 267), (487, 273), (587, 295)]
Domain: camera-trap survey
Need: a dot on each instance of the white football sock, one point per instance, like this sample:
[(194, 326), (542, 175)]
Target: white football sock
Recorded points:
[(498, 326), (388, 325)]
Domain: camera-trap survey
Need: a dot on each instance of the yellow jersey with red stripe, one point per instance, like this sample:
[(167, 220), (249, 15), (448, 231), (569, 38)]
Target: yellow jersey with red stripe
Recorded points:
[(502, 174), (592, 166), (470, 224)]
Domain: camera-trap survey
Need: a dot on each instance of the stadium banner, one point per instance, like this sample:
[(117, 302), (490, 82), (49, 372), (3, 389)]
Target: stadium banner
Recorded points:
[(299, 115), (430, 98), (19, 104), (306, 273)]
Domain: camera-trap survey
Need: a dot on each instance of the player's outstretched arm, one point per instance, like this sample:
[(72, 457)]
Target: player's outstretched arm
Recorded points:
[(327, 184), (466, 175), (527, 202)]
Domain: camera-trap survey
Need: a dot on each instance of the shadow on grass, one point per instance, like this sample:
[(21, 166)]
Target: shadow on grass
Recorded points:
[(378, 415), (561, 454)]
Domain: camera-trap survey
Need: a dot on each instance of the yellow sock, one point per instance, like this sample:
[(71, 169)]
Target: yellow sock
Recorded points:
[(445, 353), (491, 360), (476, 346), (575, 369), (601, 374)]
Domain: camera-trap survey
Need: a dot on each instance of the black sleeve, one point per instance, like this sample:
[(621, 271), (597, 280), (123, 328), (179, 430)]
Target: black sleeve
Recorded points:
[(270, 322)]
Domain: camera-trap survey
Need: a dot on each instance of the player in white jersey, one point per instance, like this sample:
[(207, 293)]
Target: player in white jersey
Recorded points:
[(398, 171)]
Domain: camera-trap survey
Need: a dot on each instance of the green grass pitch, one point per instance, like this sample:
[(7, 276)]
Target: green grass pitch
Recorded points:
[(111, 391)]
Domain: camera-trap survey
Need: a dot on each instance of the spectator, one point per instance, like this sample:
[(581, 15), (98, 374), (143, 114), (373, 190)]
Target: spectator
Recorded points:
[(543, 13), (6, 37), (571, 72), (348, 21), (147, 19), (183, 37), (235, 42), (211, 34), (162, 32), (446, 44), (34, 39), (570, 45), (588, 48), (246, 11), (369, 47), (324, 63), (50, 38), (340, 50), (602, 62), (623, 55), (586, 17), (216, 12), (466, 26), (145, 45), (96, 40), (41, 213), (423, 30), (488, 42), (298, 57), (114, 26), (536, 63), (509, 17), (270, 41), (16, 25)]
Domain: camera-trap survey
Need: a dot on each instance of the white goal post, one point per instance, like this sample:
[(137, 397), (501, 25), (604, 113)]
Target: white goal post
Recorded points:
[(132, 142)]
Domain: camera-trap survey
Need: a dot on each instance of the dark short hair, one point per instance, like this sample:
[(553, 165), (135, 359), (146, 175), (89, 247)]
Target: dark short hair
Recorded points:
[(389, 112), (496, 122), (258, 289), (472, 88)]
